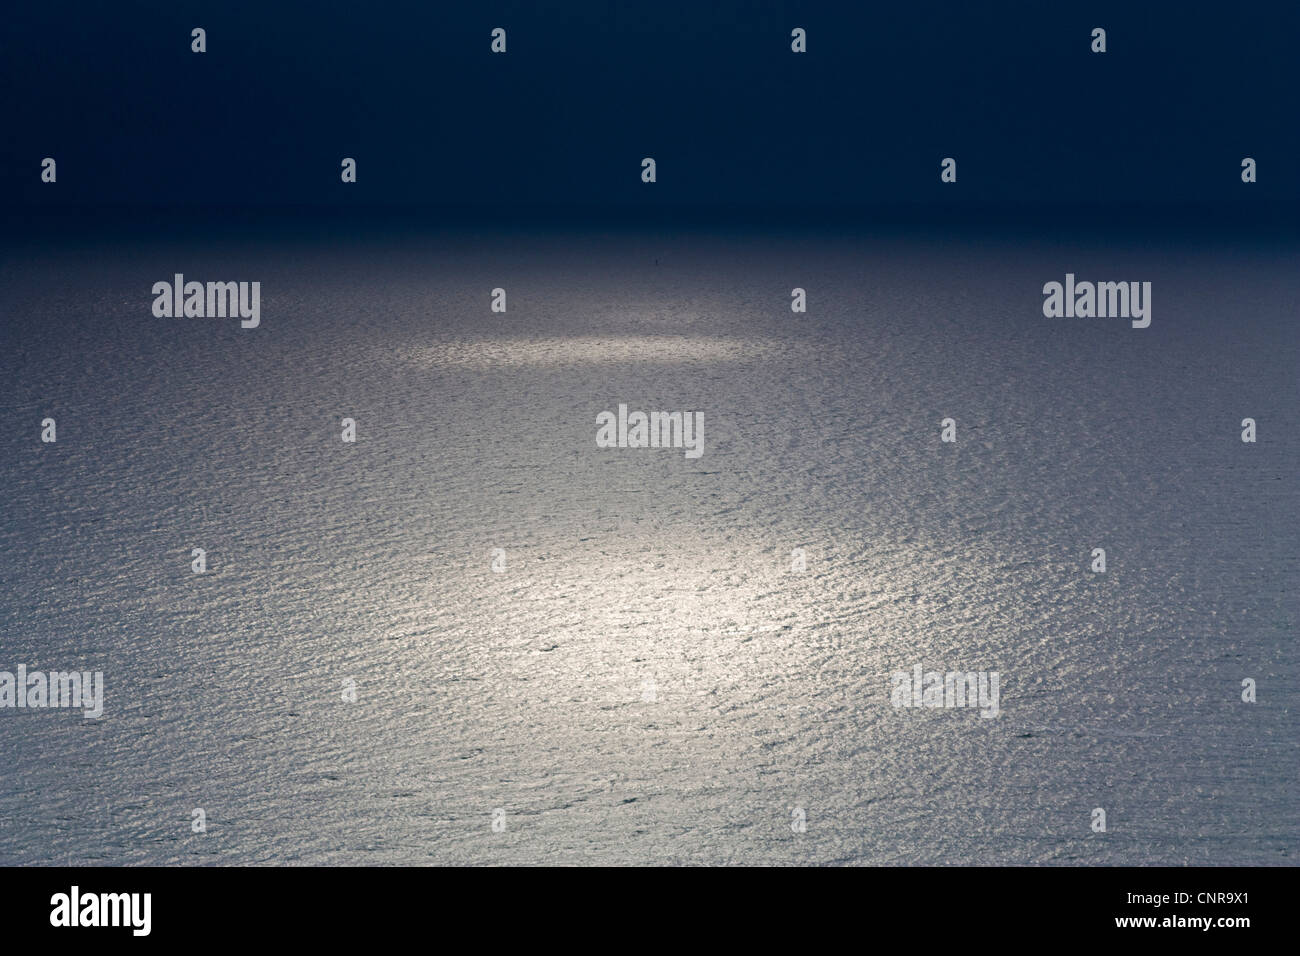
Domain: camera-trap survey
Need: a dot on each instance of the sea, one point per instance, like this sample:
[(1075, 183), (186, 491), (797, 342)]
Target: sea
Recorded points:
[(473, 637)]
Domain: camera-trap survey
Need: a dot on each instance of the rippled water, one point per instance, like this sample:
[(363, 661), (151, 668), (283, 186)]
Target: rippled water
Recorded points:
[(648, 681)]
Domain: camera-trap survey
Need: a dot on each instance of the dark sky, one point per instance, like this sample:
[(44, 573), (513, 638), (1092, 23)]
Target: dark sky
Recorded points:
[(710, 89)]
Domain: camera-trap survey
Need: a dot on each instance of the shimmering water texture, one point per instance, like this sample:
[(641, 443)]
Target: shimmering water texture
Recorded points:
[(648, 681)]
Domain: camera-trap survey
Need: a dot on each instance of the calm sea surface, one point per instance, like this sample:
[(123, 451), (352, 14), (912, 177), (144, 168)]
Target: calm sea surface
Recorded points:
[(648, 681)]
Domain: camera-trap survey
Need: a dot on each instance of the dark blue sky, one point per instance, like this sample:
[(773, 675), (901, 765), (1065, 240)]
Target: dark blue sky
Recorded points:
[(711, 90)]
